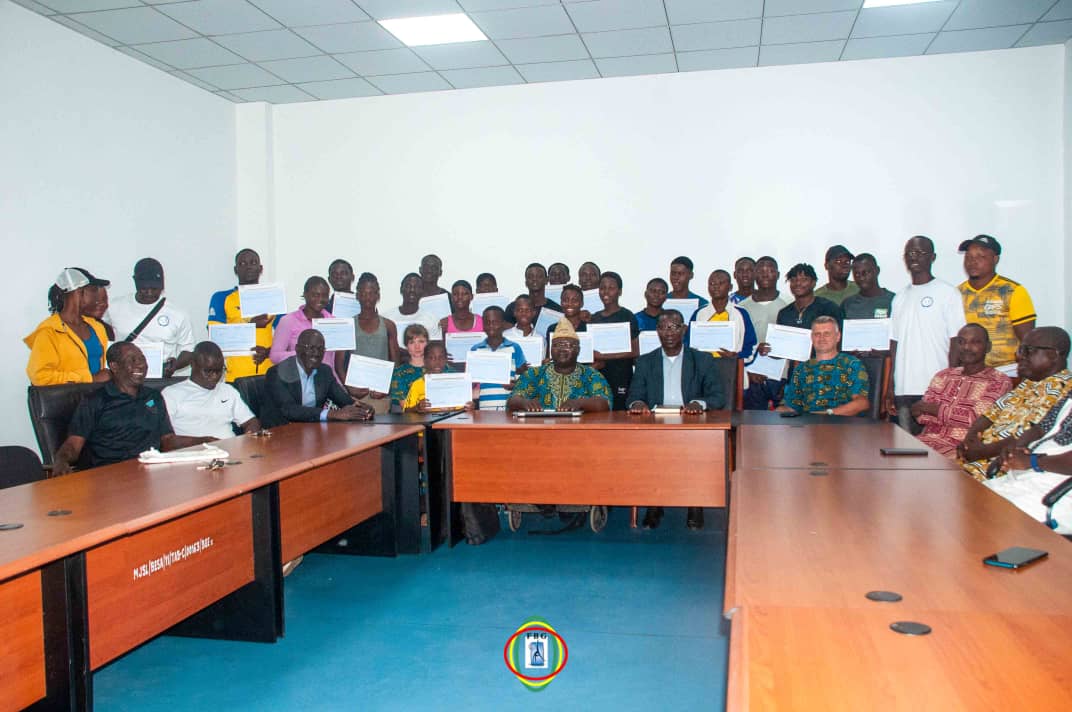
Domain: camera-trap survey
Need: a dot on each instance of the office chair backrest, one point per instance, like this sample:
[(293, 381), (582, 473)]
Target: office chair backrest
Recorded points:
[(19, 465), (728, 372), (251, 388), (878, 369)]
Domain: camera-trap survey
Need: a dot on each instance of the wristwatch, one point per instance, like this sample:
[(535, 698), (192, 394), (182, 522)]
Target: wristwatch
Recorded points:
[(829, 411), (1035, 463)]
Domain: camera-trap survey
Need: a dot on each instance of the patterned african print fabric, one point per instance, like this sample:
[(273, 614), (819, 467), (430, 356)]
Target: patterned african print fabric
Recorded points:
[(961, 399), (404, 376), (551, 388), (818, 385)]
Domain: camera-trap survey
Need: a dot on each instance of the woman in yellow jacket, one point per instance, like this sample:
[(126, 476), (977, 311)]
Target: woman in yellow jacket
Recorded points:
[(68, 347)]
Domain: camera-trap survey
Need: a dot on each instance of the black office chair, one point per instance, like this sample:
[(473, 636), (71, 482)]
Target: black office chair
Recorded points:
[(878, 368), (728, 373), (19, 466), (251, 388)]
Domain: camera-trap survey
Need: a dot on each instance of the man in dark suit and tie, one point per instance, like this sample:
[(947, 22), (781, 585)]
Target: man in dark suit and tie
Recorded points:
[(674, 375), (298, 387)]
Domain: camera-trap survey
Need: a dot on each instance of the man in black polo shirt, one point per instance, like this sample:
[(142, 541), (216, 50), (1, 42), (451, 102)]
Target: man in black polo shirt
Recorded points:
[(120, 420)]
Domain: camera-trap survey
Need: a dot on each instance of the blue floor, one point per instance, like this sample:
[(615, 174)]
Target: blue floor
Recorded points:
[(638, 609)]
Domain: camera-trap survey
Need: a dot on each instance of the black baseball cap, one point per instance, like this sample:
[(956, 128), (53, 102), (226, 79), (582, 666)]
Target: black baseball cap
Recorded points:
[(148, 273), (837, 251), (982, 241)]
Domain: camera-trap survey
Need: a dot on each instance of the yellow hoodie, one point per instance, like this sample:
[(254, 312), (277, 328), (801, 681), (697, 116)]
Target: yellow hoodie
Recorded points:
[(58, 355)]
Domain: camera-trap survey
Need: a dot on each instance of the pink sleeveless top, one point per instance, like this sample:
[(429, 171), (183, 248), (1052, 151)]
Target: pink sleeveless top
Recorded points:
[(478, 325)]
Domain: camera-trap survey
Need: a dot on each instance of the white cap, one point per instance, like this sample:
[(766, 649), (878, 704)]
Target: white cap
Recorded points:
[(71, 279)]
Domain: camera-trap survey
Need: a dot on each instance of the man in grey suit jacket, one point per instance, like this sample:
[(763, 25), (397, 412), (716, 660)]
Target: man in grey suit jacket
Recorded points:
[(298, 387), (674, 375)]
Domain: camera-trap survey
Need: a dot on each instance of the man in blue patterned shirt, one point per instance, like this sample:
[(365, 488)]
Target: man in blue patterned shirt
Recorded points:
[(832, 382), (562, 384)]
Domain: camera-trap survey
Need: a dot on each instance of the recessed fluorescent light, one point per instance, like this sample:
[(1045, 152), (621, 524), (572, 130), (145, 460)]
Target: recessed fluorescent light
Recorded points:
[(890, 3), (434, 29)]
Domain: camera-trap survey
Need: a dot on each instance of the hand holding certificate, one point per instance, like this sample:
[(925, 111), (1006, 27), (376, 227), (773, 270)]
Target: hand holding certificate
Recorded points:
[(371, 373), (611, 338), (257, 299), (448, 390), (866, 335), (338, 334), (489, 366), (713, 336), (438, 305), (789, 342), (234, 339)]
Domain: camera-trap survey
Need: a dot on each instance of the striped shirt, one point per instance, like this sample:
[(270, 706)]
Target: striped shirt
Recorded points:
[(493, 396)]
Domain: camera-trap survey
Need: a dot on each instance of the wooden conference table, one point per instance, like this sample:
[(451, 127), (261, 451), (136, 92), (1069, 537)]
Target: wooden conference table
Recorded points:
[(109, 558), (807, 542)]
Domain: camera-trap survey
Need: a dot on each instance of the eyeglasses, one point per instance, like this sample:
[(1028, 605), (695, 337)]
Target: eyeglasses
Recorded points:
[(670, 327), (1027, 349), (917, 253)]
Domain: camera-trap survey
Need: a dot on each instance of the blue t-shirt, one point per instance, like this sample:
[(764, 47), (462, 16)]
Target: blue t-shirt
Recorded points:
[(94, 351)]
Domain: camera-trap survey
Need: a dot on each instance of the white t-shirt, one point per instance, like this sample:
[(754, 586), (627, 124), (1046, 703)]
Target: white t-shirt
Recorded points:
[(418, 317), (763, 313), (169, 327), (925, 318), (199, 412)]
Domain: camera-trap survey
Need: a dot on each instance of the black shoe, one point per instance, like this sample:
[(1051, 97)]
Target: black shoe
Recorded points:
[(653, 517), (694, 520)]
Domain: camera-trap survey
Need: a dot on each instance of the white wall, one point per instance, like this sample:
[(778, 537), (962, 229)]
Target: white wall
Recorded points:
[(1067, 213), (631, 172), (104, 160)]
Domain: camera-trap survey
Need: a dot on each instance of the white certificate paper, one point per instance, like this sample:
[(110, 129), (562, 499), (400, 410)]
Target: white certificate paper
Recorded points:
[(533, 348), (866, 335), (648, 342), (592, 302), (234, 339), (372, 373), (767, 366), (438, 305), (789, 342), (257, 299), (345, 305), (488, 299), (587, 354), (713, 335), (338, 333), (554, 292), (448, 390), (686, 307), (490, 366), (458, 345), (547, 319), (611, 338), (154, 357)]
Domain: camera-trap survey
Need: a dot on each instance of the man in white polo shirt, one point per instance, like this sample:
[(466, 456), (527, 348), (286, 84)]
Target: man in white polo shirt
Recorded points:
[(205, 406)]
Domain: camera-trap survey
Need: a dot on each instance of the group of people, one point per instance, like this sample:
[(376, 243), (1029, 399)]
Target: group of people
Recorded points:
[(954, 353)]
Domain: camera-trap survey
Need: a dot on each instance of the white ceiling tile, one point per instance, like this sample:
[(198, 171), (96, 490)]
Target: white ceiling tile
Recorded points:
[(974, 40), (775, 8), (481, 5), (145, 58), (482, 77), (384, 61), (187, 54), (1045, 33), (683, 12), (807, 28), (35, 6), (461, 55), (524, 22), (716, 35), (627, 66), (219, 17), (603, 15), (351, 37), (78, 27), (194, 80), (239, 76), (543, 49), (139, 24), (295, 13), (267, 45), (993, 13), (559, 71), (230, 97), (903, 20), (1060, 11), (274, 95), (718, 59), (406, 83), (307, 69), (899, 46), (626, 43), (340, 89), (800, 53), (68, 6), (389, 9)]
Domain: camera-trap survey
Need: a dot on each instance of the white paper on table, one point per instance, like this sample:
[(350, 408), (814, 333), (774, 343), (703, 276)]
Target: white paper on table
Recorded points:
[(648, 342), (234, 339), (554, 292), (448, 390), (257, 299), (372, 373), (767, 366), (592, 302), (533, 348), (685, 307), (438, 305), (587, 354), (490, 366), (713, 335), (458, 345), (488, 299), (547, 319), (154, 357), (866, 335), (345, 306), (789, 342), (338, 334), (611, 338)]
